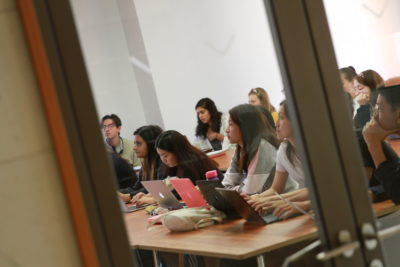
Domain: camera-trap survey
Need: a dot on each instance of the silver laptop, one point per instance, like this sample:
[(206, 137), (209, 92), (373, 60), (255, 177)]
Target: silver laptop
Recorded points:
[(162, 194), (127, 209)]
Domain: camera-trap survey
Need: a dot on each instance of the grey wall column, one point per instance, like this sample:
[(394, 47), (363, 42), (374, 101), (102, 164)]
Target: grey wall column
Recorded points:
[(139, 60)]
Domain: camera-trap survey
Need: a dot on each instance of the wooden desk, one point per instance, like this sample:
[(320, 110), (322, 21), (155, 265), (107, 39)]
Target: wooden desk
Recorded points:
[(233, 239), (224, 160)]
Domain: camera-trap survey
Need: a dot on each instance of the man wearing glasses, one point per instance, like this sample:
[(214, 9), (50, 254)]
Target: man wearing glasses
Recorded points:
[(115, 143)]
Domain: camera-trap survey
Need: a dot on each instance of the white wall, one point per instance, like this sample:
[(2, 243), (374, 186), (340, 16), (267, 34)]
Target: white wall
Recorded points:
[(218, 49), (366, 34), (107, 60)]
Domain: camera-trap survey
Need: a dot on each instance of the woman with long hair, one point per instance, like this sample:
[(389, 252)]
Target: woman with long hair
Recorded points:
[(259, 97), (181, 159), (347, 75), (211, 126), (255, 155), (366, 85), (288, 163), (144, 147)]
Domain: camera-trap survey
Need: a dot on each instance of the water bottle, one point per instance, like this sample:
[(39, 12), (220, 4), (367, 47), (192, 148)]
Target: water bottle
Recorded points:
[(212, 175)]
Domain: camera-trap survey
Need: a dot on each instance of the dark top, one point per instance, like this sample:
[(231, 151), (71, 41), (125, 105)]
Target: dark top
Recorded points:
[(173, 171), (388, 174), (374, 184), (138, 187), (126, 176), (216, 144), (363, 115)]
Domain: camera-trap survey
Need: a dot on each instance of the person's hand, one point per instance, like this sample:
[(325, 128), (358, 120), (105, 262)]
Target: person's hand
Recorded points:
[(245, 196), (265, 204), (147, 199), (373, 133), (125, 197), (363, 99), (286, 210), (138, 196)]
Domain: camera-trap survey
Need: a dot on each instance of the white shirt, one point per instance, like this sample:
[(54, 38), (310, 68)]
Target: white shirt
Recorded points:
[(204, 144), (294, 170)]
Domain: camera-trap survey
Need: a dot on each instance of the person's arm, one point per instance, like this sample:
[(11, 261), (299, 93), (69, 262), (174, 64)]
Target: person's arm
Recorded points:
[(286, 210), (263, 204), (297, 195), (232, 177), (278, 185), (373, 136)]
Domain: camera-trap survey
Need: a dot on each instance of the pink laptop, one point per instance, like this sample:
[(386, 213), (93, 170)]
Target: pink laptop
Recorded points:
[(188, 192)]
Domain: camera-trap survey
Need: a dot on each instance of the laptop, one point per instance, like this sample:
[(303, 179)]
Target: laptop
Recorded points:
[(162, 194), (215, 199), (244, 209), (131, 208), (188, 192)]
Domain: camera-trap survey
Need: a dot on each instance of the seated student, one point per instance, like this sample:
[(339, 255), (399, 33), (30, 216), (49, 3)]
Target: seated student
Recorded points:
[(288, 163), (114, 142), (365, 84), (385, 121), (255, 155), (259, 97), (144, 147), (347, 76), (181, 159), (211, 126), (126, 176)]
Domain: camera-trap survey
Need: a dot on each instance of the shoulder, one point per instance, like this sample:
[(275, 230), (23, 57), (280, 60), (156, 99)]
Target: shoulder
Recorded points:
[(127, 142), (282, 147), (224, 117), (266, 149)]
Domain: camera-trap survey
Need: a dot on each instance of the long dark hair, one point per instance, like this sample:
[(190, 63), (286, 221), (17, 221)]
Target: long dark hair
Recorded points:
[(215, 117), (290, 149), (149, 164), (190, 160), (253, 128)]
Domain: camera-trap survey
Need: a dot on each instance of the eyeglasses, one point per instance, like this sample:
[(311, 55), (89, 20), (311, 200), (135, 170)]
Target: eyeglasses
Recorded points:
[(108, 126)]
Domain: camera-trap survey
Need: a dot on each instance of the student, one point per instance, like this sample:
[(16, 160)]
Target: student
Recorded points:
[(114, 142), (287, 161), (259, 97), (181, 159), (385, 121), (211, 126), (366, 84), (144, 147), (347, 76), (126, 176), (255, 153)]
